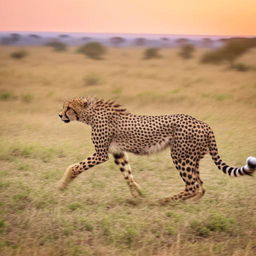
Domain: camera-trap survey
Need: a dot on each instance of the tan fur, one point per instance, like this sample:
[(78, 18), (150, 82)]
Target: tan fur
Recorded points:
[(116, 131)]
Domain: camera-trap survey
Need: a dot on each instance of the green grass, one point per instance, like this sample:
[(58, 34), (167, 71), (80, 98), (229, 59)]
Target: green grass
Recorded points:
[(31, 151), (96, 214), (6, 95), (214, 223)]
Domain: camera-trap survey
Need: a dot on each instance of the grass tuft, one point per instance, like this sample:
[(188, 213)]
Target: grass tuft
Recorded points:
[(92, 79), (27, 98), (214, 223), (19, 54), (32, 151), (7, 95), (74, 206)]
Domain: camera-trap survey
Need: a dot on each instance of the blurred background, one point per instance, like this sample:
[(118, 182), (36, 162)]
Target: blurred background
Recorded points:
[(164, 57)]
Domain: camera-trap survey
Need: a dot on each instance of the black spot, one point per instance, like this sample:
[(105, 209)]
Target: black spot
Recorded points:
[(118, 156)]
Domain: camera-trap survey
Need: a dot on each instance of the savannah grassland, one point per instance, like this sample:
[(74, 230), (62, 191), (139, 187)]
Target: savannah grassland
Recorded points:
[(96, 214)]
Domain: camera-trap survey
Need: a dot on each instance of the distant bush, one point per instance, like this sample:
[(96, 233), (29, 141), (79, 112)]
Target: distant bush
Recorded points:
[(93, 50), (35, 36), (186, 51), (240, 67), (140, 41), (230, 51), (151, 53), (92, 79), (6, 95), (64, 36), (182, 41), (20, 54), (213, 57), (57, 46), (117, 41), (27, 98)]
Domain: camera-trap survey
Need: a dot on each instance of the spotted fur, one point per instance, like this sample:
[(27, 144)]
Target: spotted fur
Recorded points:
[(116, 131)]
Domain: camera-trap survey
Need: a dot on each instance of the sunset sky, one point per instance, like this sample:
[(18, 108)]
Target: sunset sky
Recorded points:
[(211, 17)]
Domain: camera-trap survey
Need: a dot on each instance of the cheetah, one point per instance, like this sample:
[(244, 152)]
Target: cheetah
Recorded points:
[(116, 131)]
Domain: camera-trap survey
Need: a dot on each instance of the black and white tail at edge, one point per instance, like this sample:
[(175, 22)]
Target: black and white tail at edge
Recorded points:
[(247, 169)]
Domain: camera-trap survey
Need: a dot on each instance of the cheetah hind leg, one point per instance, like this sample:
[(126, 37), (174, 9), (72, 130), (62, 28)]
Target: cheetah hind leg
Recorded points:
[(193, 185), (201, 191), (182, 196)]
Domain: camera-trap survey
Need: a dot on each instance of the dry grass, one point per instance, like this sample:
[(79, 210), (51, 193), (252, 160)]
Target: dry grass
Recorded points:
[(96, 215)]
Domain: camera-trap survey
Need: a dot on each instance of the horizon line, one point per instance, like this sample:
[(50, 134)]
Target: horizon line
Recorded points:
[(128, 33)]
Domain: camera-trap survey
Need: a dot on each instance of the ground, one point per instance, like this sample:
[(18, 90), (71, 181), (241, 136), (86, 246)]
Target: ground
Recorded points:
[(96, 214)]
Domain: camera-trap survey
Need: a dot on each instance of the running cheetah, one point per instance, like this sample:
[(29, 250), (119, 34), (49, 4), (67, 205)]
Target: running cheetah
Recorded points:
[(116, 131)]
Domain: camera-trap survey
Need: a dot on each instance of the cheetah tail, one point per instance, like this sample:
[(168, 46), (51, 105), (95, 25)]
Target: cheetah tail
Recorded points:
[(248, 169)]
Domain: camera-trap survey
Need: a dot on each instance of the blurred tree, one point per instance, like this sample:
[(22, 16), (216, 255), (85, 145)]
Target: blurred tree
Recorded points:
[(232, 49), (11, 39), (207, 42), (64, 36), (140, 41), (34, 36), (93, 50), (187, 51), (15, 37), (57, 46), (182, 41), (151, 53), (165, 41), (117, 41)]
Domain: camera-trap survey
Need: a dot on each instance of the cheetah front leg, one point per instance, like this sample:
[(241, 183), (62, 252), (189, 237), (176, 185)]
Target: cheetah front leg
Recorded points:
[(75, 169), (121, 159)]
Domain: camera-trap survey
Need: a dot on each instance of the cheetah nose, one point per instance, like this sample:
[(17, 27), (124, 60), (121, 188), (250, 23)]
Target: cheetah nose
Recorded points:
[(60, 115)]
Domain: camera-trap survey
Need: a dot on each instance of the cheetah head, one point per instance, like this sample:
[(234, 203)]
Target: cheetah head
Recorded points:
[(72, 110)]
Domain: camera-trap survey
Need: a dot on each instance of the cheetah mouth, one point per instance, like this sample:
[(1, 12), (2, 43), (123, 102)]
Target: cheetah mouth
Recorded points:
[(66, 121)]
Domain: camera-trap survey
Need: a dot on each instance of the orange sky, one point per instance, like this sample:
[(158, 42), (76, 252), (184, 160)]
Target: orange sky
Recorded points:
[(212, 17)]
